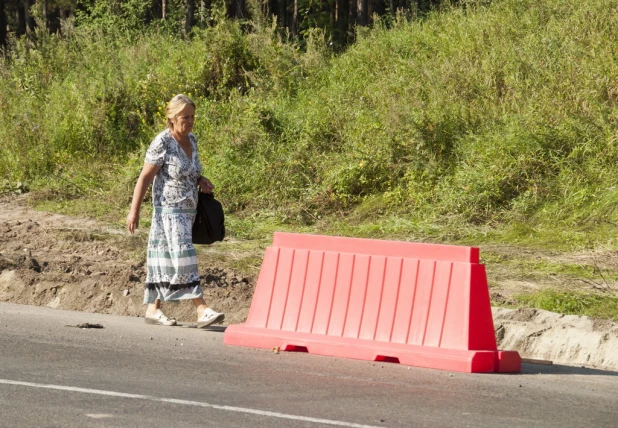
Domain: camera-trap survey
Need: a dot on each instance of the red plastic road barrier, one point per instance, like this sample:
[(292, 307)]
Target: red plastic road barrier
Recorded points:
[(423, 305)]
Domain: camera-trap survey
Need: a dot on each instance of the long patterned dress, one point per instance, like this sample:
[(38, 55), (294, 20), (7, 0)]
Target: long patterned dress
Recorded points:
[(172, 261)]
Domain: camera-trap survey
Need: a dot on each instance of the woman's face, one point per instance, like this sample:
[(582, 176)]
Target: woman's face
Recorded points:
[(183, 123)]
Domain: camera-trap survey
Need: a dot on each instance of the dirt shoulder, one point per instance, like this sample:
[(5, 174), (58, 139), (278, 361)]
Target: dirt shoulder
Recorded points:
[(80, 264)]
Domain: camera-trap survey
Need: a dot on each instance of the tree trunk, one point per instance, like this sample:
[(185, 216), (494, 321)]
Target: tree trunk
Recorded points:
[(361, 12), (163, 8), (19, 19), (271, 8), (202, 11), (189, 16), (282, 12), (295, 19), (2, 25), (343, 14), (352, 12), (27, 18), (237, 9)]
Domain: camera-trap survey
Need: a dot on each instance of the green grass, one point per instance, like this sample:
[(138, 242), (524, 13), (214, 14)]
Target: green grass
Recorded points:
[(588, 304), (536, 265)]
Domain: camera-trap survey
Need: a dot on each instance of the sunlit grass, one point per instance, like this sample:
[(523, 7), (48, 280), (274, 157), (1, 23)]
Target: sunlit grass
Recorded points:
[(593, 305)]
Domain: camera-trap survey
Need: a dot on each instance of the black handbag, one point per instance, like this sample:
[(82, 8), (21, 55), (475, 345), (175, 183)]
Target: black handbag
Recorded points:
[(209, 224)]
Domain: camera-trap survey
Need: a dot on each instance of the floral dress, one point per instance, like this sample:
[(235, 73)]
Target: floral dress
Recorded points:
[(172, 261)]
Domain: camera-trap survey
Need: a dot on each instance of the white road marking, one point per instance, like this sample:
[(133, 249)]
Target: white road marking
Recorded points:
[(99, 415), (187, 403)]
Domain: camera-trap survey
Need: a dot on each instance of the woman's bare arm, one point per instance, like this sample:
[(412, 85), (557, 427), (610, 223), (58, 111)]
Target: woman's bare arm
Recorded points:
[(145, 179)]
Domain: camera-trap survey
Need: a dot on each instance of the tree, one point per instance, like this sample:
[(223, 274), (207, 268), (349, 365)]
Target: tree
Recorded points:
[(189, 16), (361, 12), (29, 22), (237, 9), (294, 17), (294, 26), (342, 14), (2, 24)]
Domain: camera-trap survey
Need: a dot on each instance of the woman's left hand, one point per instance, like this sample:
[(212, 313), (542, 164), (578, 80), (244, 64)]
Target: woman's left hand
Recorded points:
[(205, 185)]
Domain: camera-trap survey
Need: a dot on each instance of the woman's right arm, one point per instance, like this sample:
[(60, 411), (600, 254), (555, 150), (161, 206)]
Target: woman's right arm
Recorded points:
[(145, 179)]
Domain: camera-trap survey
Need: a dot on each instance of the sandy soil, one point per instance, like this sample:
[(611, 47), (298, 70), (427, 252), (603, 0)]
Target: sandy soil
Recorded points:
[(80, 264)]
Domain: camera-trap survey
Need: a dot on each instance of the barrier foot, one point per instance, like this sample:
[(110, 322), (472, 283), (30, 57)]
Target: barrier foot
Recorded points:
[(409, 355)]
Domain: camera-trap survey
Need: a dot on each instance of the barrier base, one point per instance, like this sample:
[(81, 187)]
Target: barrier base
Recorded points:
[(468, 361)]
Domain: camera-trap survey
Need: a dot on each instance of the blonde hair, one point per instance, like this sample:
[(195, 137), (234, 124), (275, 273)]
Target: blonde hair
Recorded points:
[(175, 105)]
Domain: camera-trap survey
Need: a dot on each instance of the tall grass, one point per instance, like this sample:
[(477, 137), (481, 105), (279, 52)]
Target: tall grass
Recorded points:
[(490, 113), (500, 113)]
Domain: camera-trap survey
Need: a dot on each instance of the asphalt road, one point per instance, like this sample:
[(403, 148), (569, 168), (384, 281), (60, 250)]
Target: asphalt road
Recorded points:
[(129, 374)]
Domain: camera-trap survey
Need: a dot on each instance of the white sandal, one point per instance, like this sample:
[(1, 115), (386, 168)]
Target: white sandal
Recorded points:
[(159, 319), (209, 317)]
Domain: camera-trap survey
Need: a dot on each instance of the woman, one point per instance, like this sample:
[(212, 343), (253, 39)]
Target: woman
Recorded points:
[(173, 164)]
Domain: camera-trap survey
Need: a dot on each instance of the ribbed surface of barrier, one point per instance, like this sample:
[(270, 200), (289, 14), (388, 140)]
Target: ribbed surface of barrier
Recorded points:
[(416, 304)]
